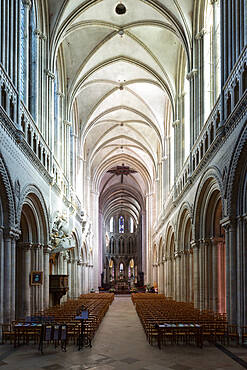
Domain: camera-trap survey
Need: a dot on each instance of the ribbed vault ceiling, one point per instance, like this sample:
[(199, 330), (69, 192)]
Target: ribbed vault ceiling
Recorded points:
[(121, 74)]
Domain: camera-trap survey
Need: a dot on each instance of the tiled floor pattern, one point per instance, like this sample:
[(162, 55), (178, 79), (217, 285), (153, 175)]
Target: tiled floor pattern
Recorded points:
[(120, 343)]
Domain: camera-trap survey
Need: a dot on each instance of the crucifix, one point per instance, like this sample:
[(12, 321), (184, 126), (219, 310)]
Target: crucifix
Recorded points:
[(122, 170)]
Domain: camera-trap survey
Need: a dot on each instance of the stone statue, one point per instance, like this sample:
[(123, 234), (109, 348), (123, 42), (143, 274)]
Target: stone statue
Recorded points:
[(61, 236)]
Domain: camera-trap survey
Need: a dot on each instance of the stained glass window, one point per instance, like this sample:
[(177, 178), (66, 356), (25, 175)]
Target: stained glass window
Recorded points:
[(121, 224), (129, 271)]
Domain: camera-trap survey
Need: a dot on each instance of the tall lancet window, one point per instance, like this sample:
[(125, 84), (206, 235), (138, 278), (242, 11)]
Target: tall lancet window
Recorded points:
[(121, 225), (131, 225), (111, 225)]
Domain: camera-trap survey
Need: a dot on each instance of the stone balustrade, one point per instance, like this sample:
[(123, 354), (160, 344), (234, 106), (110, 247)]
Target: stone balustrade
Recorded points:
[(235, 88), (34, 138)]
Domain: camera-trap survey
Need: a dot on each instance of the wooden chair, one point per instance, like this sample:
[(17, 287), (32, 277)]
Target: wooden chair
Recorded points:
[(7, 333), (220, 332), (207, 332), (232, 333), (243, 334)]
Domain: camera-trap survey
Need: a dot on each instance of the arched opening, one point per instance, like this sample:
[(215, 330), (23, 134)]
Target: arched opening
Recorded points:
[(169, 269), (210, 278), (31, 257), (185, 259)]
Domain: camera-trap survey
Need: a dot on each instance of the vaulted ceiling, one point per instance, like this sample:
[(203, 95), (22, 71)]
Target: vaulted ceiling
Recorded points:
[(121, 72)]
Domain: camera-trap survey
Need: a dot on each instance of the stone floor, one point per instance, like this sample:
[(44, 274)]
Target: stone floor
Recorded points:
[(120, 343)]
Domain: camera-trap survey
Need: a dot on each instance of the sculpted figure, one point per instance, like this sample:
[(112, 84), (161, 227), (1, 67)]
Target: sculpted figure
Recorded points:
[(61, 237)]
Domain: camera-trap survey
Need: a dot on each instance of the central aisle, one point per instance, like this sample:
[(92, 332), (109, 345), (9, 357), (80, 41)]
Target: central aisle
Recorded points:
[(121, 339)]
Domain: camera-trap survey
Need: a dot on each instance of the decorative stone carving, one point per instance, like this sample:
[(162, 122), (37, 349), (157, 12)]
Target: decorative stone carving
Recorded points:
[(17, 189), (7, 192), (61, 236)]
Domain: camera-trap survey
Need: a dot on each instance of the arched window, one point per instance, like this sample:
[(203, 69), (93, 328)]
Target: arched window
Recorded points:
[(111, 225), (131, 269), (28, 60), (22, 52), (211, 55), (111, 270), (56, 114), (121, 225)]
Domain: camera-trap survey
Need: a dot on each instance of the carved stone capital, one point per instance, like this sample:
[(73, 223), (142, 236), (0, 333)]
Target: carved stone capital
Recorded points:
[(36, 246), (194, 244), (177, 255), (12, 233), (175, 123), (200, 34), (25, 246), (27, 4), (67, 123), (192, 74), (37, 32), (61, 94), (50, 74), (47, 249), (228, 223), (43, 36)]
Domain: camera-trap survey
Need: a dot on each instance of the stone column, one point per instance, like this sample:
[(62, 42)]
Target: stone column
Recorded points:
[(168, 274), (177, 147), (201, 274), (193, 98), (79, 277), (222, 278), (215, 271), (89, 282), (60, 263), (75, 279), (84, 277), (177, 273), (206, 273), (46, 256), (1, 272), (69, 294), (164, 274), (67, 126), (27, 6), (34, 267), (49, 131), (7, 278), (8, 266), (166, 167), (26, 253), (183, 277), (191, 276), (195, 246), (231, 269), (161, 277), (13, 273)]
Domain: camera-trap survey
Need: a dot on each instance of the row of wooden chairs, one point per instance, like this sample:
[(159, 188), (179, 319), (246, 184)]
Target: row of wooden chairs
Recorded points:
[(155, 310), (96, 304)]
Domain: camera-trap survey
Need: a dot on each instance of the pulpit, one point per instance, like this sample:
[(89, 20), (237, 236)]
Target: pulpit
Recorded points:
[(59, 286)]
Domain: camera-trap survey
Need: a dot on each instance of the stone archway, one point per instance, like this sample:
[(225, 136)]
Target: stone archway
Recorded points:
[(185, 254), (209, 249), (32, 254)]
